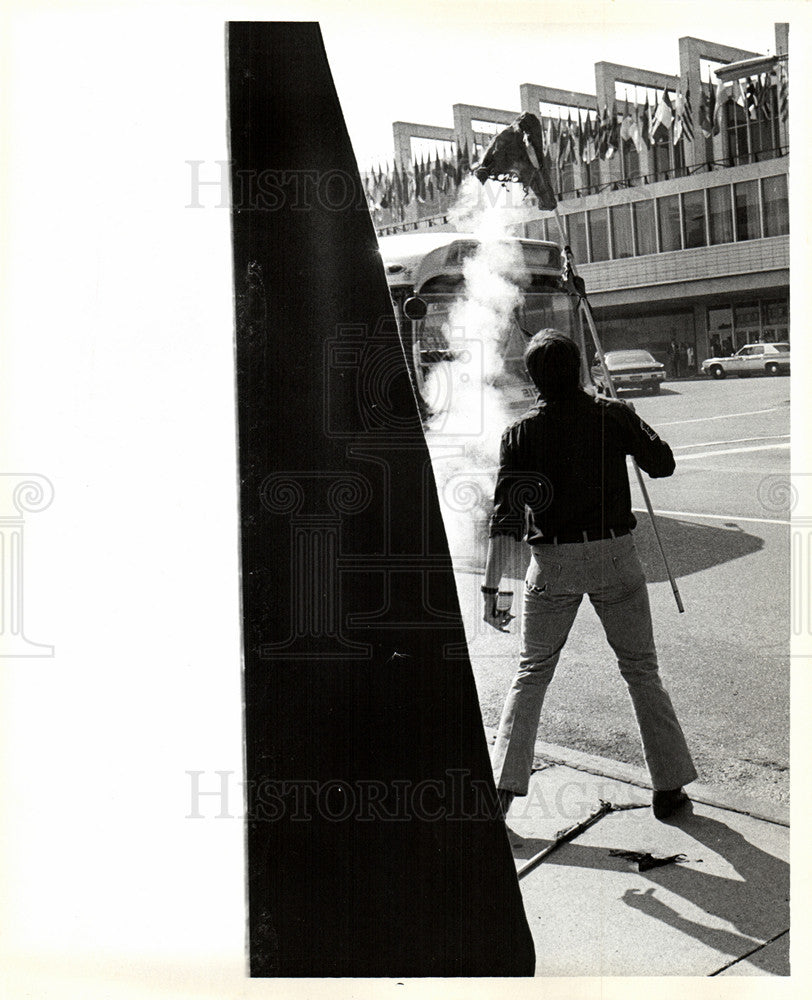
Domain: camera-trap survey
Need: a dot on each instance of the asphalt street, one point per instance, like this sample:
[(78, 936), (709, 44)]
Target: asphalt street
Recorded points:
[(724, 521)]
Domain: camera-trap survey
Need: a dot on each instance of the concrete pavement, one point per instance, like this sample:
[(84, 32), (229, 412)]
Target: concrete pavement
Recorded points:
[(722, 911)]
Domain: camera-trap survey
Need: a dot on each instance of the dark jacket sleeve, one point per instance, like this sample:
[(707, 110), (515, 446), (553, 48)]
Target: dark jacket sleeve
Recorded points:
[(643, 443), (508, 516)]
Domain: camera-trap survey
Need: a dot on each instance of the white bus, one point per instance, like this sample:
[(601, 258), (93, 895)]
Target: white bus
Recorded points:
[(426, 280)]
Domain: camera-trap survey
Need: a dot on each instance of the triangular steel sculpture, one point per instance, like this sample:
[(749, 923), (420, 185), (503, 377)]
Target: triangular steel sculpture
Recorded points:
[(374, 842)]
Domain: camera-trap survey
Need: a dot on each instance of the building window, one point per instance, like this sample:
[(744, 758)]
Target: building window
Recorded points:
[(693, 214), (576, 227), (776, 206), (621, 231), (745, 197), (738, 132), (764, 130), (591, 176), (668, 223), (599, 234), (631, 161), (661, 156), (566, 178), (643, 214), (720, 217)]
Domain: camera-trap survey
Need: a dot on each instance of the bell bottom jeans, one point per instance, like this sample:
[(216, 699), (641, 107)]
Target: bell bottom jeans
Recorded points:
[(609, 571)]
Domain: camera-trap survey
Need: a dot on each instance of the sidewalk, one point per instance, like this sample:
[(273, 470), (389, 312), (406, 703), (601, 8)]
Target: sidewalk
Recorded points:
[(723, 911)]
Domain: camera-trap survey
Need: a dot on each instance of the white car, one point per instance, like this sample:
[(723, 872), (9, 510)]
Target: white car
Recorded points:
[(752, 359)]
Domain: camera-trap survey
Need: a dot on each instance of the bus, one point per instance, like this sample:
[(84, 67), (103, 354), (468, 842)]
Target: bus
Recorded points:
[(425, 273)]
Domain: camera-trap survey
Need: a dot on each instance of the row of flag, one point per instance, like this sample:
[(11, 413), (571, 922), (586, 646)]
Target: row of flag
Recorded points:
[(761, 98), (425, 182), (568, 140), (584, 138)]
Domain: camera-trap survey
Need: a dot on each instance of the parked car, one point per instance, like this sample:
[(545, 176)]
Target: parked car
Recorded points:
[(629, 370), (752, 359)]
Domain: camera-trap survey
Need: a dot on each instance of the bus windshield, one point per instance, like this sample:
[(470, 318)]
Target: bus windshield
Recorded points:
[(437, 339), (436, 267)]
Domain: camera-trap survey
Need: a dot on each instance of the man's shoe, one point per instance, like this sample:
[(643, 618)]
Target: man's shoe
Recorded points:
[(666, 803), (505, 799)]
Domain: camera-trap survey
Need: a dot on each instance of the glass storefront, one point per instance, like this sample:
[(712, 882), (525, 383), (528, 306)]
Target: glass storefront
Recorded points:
[(746, 324), (754, 321), (775, 320), (654, 333), (720, 331)]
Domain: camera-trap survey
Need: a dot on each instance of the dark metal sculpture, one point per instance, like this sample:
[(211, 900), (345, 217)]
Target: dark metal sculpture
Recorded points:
[(375, 846)]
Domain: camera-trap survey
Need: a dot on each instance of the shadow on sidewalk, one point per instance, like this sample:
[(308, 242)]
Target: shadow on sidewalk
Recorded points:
[(756, 903), (690, 547)]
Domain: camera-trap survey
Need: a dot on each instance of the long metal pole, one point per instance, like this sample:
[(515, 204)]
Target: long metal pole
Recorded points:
[(587, 308)]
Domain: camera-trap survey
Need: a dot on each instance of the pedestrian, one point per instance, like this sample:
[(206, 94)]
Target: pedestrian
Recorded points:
[(716, 347), (563, 484), (689, 354), (672, 358), (727, 348)]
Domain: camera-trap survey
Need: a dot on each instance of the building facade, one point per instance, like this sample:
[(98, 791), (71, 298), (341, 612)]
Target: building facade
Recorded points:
[(683, 236)]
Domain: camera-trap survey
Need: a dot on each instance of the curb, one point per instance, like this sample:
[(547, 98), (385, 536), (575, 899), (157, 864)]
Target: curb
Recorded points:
[(604, 767)]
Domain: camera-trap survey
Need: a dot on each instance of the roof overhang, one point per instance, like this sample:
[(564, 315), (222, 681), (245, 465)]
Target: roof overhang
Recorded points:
[(746, 67)]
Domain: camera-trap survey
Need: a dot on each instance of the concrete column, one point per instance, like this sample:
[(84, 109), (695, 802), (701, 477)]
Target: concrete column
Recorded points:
[(691, 82), (701, 330), (782, 49), (611, 169)]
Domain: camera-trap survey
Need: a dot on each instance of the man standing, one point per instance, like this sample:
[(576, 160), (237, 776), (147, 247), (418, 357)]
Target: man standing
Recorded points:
[(672, 358), (563, 482)]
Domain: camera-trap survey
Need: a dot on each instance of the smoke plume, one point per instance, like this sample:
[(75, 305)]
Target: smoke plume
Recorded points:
[(469, 412)]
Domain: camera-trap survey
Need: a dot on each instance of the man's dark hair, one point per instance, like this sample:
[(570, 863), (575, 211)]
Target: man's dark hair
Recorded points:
[(554, 363)]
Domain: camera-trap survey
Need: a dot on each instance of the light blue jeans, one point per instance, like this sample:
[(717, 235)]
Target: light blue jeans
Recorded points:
[(609, 571)]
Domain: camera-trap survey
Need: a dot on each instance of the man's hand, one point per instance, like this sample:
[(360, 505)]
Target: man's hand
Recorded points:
[(496, 619)]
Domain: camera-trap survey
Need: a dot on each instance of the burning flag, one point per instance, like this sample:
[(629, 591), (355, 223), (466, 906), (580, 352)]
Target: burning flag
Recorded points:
[(517, 153)]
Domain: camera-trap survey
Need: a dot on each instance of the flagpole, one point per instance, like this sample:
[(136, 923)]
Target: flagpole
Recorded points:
[(587, 308)]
